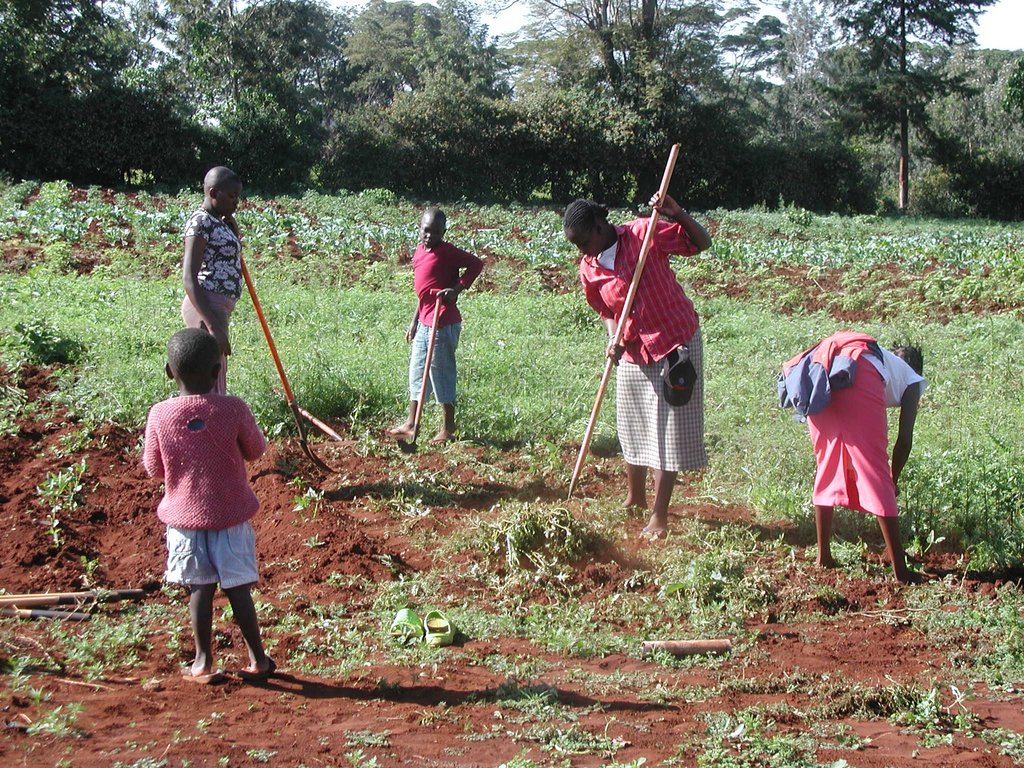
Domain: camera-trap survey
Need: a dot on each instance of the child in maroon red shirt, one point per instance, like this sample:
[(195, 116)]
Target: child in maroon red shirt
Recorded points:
[(198, 443), (440, 271)]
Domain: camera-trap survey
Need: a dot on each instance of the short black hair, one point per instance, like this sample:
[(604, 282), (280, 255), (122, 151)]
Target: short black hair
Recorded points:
[(221, 177), (435, 214), (911, 356), (583, 215), (192, 352)]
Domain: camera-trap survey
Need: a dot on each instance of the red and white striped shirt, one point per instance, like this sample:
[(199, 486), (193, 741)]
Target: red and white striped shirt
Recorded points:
[(663, 316)]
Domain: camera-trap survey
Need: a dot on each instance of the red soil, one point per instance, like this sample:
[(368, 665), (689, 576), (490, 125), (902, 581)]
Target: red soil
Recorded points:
[(426, 711)]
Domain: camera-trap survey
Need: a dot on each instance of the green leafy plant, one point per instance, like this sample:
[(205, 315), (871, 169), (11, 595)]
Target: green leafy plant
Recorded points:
[(60, 493), (59, 722), (44, 345)]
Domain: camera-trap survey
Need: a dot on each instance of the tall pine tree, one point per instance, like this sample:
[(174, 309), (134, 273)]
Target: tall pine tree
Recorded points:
[(892, 89)]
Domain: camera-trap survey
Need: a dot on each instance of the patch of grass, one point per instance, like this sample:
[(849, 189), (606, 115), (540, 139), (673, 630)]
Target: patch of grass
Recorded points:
[(59, 722), (571, 740), (60, 493), (102, 645), (747, 739), (982, 634), (721, 584), (12, 407), (368, 738), (37, 342), (573, 628), (1010, 743), (646, 686)]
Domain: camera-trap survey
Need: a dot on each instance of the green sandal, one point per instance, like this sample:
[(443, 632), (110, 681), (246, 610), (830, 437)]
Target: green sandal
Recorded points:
[(407, 626), (438, 630)]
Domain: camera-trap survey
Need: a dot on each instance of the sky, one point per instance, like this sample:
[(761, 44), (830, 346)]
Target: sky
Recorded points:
[(1001, 26)]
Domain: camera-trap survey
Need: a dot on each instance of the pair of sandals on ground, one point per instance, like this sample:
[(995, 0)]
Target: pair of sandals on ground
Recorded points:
[(433, 629)]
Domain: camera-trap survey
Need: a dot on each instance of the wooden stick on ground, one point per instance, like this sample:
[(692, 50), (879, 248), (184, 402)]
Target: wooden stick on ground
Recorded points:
[(42, 613), (70, 598), (686, 647)]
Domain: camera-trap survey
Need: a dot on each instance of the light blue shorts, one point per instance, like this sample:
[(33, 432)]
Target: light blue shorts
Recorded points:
[(227, 557), (442, 364)]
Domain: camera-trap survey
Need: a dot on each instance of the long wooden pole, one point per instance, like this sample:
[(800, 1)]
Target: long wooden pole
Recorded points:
[(426, 377), (69, 598), (292, 405), (623, 316), (42, 613)]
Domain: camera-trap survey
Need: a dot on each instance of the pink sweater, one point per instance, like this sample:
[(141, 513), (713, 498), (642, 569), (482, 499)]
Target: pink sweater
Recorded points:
[(199, 445)]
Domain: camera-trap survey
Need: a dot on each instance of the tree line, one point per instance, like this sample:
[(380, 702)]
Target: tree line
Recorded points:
[(831, 105)]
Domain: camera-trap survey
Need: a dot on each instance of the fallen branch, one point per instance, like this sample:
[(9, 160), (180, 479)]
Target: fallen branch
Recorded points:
[(686, 647)]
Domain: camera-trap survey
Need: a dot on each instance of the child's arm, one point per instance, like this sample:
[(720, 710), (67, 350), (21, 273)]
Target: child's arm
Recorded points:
[(152, 460), (471, 266), (251, 441), (195, 246), (410, 332)]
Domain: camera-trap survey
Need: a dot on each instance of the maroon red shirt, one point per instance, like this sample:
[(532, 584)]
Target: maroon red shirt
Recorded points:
[(437, 268), (663, 316)]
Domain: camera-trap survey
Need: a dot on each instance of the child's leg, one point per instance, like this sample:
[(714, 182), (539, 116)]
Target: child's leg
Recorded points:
[(823, 528), (448, 429), (417, 370), (403, 430), (443, 376), (664, 483), (894, 548), (200, 610), (636, 486), (245, 617)]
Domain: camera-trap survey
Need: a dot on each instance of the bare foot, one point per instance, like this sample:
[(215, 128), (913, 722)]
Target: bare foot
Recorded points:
[(635, 506), (442, 437), (402, 430), (826, 562)]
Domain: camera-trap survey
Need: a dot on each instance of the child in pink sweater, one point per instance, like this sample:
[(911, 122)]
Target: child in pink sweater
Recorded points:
[(198, 443)]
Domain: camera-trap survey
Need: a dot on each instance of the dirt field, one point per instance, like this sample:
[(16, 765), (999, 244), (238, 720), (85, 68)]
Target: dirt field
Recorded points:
[(437, 715)]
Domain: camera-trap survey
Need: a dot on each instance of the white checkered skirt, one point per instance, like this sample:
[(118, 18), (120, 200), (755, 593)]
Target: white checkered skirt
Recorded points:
[(652, 432)]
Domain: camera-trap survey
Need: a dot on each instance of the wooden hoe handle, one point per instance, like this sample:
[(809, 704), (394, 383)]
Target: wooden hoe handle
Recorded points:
[(426, 370)]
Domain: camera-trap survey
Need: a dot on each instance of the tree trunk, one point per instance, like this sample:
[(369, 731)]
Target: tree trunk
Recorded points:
[(904, 190)]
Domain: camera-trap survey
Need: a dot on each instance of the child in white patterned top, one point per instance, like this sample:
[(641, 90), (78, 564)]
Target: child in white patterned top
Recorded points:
[(212, 266)]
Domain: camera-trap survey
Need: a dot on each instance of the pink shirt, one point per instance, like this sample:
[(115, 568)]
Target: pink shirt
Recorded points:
[(437, 268), (663, 316), (199, 445)]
